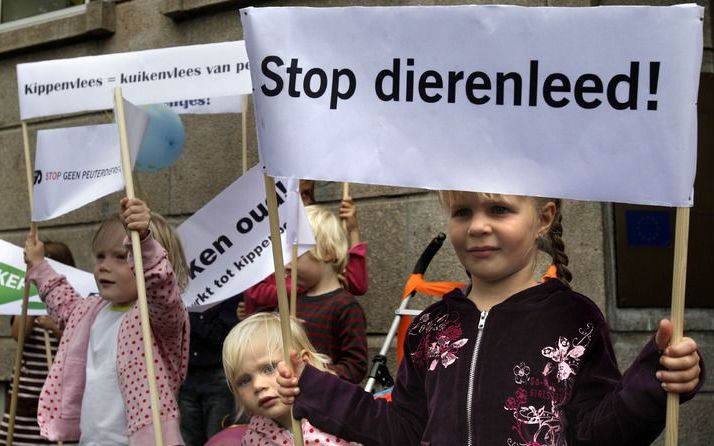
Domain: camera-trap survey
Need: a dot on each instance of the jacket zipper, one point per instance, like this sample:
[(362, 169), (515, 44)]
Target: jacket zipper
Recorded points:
[(472, 378)]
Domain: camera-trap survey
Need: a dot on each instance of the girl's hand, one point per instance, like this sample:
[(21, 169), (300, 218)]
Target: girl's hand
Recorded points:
[(34, 250), (240, 311), (47, 323), (680, 360), (135, 216), (348, 214), (288, 380)]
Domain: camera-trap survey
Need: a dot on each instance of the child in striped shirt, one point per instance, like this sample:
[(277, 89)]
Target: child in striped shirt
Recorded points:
[(334, 320)]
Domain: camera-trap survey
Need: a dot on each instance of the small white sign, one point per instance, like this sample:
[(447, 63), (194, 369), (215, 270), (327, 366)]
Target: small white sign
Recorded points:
[(198, 75), (12, 281), (76, 165), (73, 167), (207, 106), (227, 242)]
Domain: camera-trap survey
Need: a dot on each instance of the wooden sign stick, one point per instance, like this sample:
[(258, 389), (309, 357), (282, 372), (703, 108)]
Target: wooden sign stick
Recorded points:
[(244, 135), (345, 190), (293, 281), (25, 298), (28, 171), (139, 274), (679, 281), (277, 247)]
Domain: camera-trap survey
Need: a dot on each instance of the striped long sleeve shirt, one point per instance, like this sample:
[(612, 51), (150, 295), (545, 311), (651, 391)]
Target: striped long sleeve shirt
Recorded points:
[(33, 373), (336, 326)]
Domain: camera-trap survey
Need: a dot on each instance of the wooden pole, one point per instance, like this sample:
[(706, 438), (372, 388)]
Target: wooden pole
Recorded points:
[(240, 311), (28, 163), (139, 273), (293, 281), (25, 298), (244, 136), (345, 194), (679, 281), (277, 247), (345, 190), (48, 348), (28, 170)]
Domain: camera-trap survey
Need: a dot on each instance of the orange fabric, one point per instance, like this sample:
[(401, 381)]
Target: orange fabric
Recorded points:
[(417, 283), (552, 273), (385, 396)]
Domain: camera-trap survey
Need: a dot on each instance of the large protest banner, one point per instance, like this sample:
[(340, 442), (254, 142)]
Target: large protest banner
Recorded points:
[(12, 281), (452, 98), (193, 79), (227, 242), (76, 165)]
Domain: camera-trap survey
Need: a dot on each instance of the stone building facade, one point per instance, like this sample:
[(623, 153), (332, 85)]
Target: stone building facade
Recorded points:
[(396, 222)]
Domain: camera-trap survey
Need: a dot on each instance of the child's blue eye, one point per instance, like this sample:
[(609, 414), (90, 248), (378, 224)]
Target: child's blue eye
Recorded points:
[(460, 212), (499, 210), (269, 369), (242, 381)]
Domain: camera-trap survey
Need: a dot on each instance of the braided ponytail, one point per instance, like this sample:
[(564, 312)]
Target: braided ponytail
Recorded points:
[(557, 247)]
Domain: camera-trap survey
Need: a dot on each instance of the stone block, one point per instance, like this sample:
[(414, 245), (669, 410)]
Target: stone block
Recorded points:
[(4, 326), (8, 348), (211, 161), (695, 426), (583, 238)]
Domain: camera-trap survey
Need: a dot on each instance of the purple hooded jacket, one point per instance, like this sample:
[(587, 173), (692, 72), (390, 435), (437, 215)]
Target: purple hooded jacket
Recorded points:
[(538, 369)]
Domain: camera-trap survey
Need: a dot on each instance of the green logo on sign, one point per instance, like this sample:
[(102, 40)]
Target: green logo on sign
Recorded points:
[(12, 285)]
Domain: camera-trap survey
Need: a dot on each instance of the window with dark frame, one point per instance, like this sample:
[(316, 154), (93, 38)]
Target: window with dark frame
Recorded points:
[(644, 235), (11, 10)]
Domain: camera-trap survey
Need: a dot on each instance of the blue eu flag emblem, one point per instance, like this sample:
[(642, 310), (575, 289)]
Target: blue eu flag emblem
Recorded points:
[(648, 229)]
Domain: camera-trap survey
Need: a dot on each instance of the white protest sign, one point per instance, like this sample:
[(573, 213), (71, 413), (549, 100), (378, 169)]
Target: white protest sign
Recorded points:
[(12, 281), (583, 103), (146, 77), (137, 121), (73, 167), (227, 242), (206, 106)]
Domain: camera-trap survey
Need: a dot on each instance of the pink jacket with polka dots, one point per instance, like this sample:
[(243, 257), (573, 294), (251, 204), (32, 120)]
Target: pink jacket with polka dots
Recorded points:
[(61, 398), (264, 431)]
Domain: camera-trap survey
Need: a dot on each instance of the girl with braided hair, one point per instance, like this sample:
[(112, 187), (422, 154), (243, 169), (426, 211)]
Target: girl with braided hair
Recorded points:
[(507, 360)]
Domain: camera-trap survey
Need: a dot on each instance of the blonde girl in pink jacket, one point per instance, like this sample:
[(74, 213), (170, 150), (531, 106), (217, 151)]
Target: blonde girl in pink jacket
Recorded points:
[(97, 391), (251, 353)]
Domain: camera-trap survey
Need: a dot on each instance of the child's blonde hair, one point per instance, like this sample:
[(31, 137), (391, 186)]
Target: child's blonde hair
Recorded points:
[(163, 232), (166, 235), (59, 251), (551, 243), (264, 328), (331, 244)]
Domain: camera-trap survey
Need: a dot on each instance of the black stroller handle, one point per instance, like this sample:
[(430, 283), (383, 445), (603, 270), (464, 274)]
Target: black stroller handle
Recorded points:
[(429, 252), (379, 372)]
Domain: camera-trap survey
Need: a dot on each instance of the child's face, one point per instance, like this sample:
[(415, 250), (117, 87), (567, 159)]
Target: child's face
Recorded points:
[(495, 238), (307, 192), (114, 277), (256, 386), (310, 271)]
